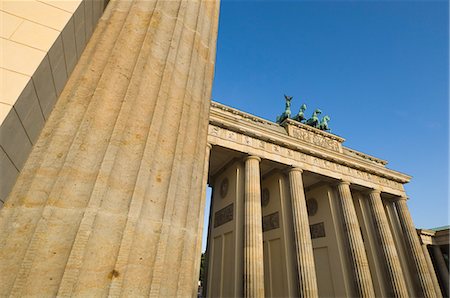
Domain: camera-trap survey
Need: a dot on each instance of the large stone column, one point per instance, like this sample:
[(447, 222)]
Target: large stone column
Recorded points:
[(395, 277), (441, 268), (424, 284), (198, 249), (359, 265), (109, 200), (253, 237), (303, 244), (426, 254)]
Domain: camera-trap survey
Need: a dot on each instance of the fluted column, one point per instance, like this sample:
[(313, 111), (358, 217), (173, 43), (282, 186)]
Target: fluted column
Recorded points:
[(395, 277), (253, 237), (432, 271), (108, 202), (201, 214), (302, 235), (424, 283), (362, 280), (441, 268)]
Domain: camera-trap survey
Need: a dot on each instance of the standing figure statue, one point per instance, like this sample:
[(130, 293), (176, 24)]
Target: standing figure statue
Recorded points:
[(287, 110), (314, 120), (324, 123), (300, 117)]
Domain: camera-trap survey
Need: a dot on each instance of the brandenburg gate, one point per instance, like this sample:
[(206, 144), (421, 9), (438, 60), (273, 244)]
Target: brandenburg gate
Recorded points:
[(109, 138), (295, 213)]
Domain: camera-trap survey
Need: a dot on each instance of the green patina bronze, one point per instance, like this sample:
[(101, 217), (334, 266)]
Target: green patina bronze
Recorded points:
[(300, 117), (287, 111), (324, 123), (314, 120)]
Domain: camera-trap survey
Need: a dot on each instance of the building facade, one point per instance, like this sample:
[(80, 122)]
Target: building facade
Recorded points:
[(108, 139), (298, 214)]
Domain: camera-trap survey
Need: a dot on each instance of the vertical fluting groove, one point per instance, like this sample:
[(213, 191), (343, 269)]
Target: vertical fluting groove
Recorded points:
[(426, 254), (359, 266), (34, 160), (441, 268), (135, 209), (58, 115), (202, 134), (176, 112), (107, 168), (30, 175), (194, 217), (182, 183), (392, 266), (253, 240), (424, 284), (42, 225), (302, 235), (183, 288), (85, 188)]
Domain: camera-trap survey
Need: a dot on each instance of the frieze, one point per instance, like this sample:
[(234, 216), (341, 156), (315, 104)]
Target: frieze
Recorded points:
[(315, 139), (229, 135)]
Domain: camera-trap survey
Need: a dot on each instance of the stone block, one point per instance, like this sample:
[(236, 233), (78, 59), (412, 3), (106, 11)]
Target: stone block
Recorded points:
[(8, 176), (88, 18), (14, 140), (8, 24), (70, 48), (19, 58), (80, 32), (4, 111), (38, 12), (58, 65), (12, 85), (69, 6), (29, 112), (35, 35), (45, 88)]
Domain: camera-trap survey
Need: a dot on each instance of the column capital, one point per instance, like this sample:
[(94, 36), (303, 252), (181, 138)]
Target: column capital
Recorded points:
[(402, 198), (374, 191), (252, 157), (209, 145), (344, 182), (295, 169)]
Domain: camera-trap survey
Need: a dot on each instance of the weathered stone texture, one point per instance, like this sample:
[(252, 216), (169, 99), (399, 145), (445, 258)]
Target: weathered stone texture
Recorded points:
[(391, 261), (303, 244), (423, 281), (253, 235), (362, 280), (110, 199)]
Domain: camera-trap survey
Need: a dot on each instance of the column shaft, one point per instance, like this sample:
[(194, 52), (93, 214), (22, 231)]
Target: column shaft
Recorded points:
[(432, 271), (395, 277), (441, 268), (424, 283), (362, 280), (303, 244), (253, 237), (109, 199)]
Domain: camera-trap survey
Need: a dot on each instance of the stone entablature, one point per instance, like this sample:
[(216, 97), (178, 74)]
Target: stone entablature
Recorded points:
[(313, 135), (318, 152)]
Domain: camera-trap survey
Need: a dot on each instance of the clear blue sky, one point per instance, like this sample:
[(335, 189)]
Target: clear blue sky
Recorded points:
[(378, 68)]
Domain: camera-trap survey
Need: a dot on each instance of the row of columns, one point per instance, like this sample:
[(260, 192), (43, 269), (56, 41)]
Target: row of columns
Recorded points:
[(361, 277)]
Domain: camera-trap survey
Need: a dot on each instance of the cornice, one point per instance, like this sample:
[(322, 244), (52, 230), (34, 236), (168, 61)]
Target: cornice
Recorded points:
[(247, 124)]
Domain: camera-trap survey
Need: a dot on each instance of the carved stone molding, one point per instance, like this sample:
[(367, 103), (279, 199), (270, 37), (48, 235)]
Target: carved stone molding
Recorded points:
[(313, 136), (244, 142)]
